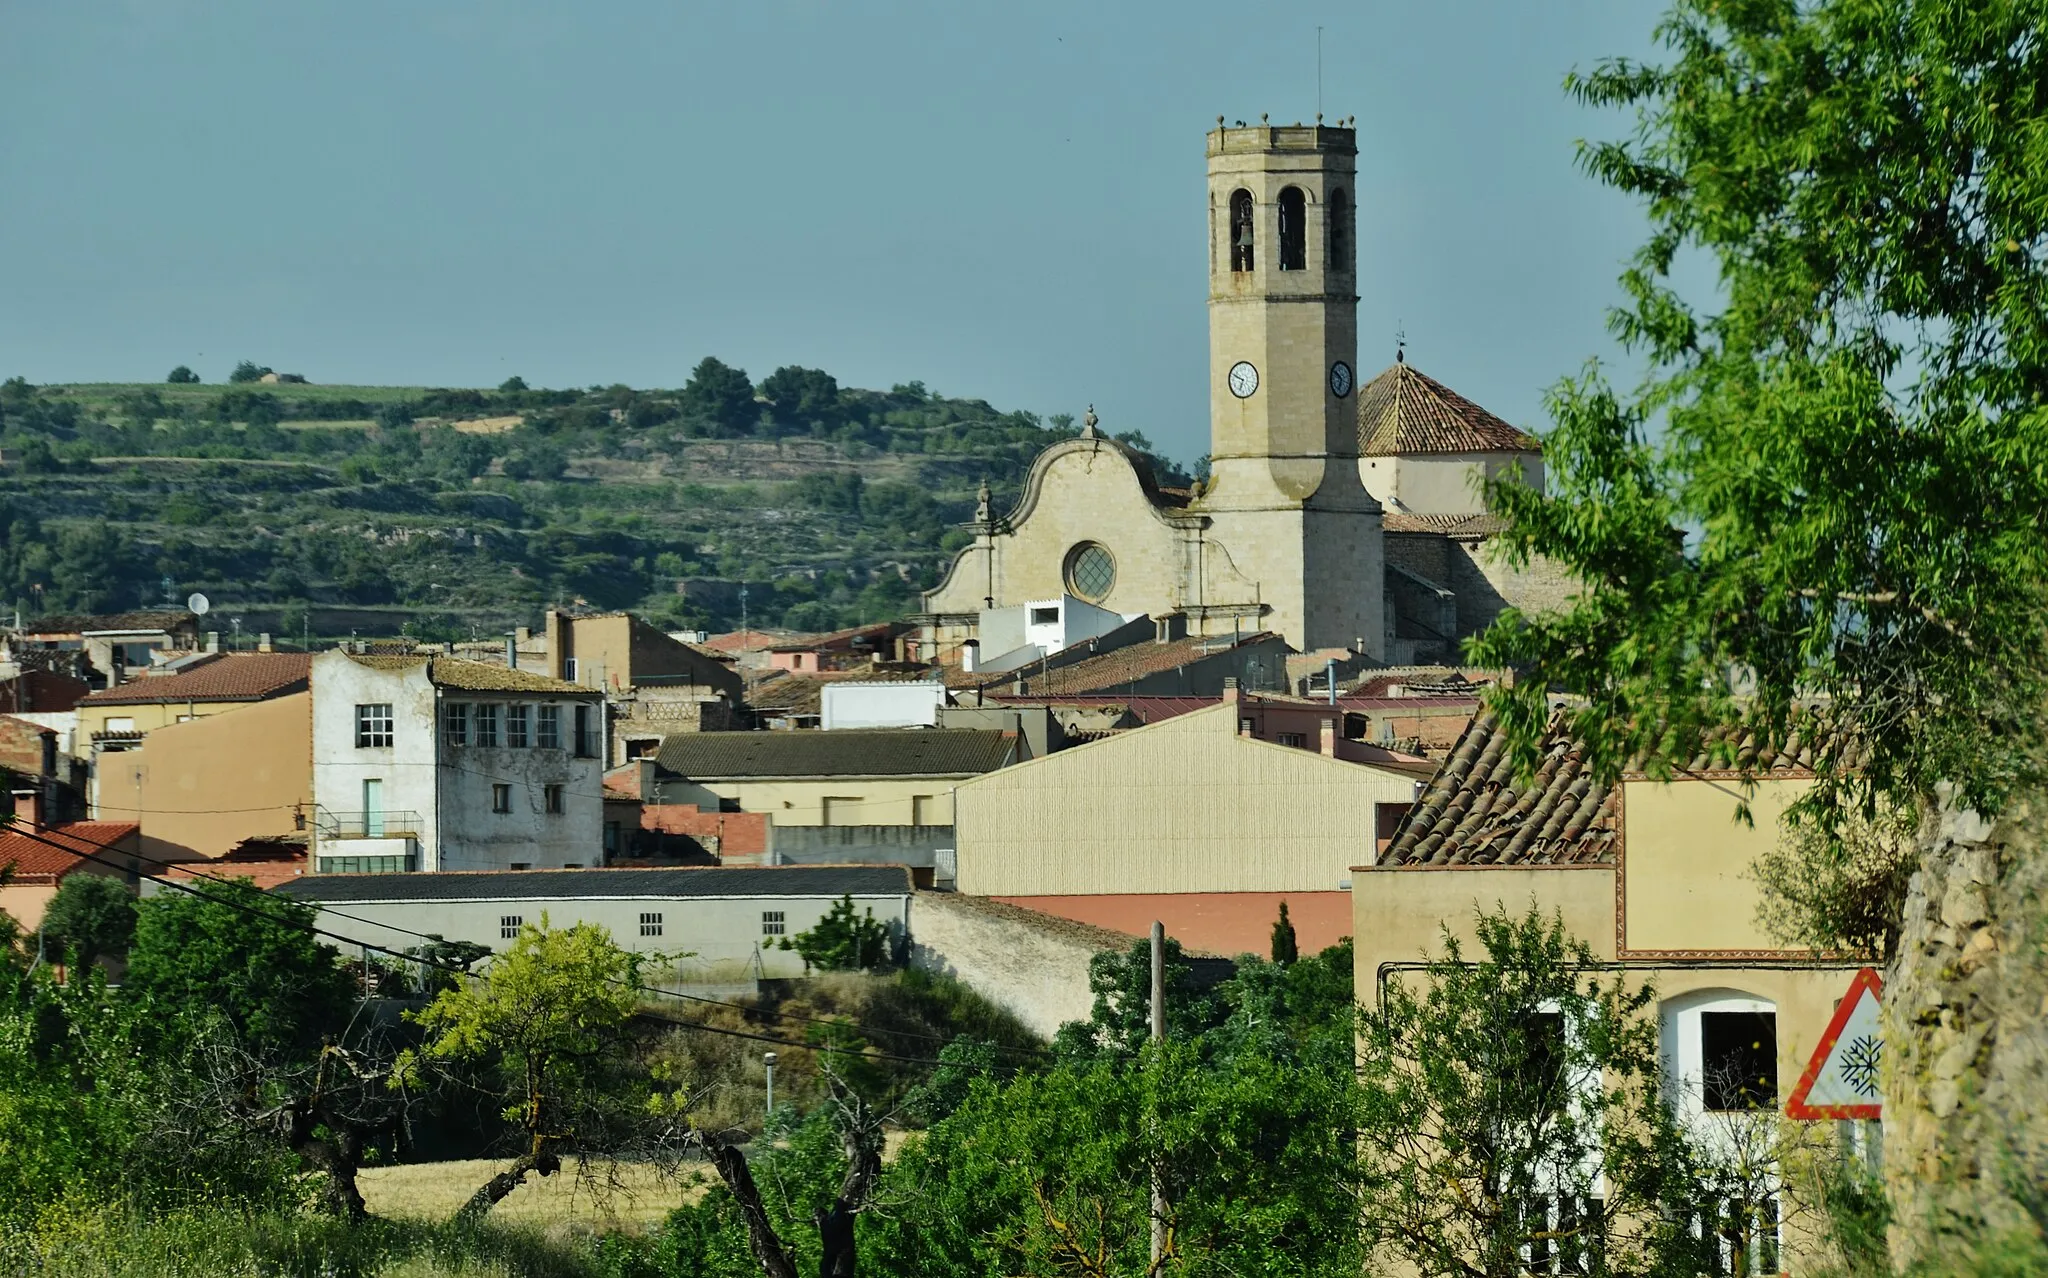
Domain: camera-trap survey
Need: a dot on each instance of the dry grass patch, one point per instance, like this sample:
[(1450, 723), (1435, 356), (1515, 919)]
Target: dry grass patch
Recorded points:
[(628, 1196)]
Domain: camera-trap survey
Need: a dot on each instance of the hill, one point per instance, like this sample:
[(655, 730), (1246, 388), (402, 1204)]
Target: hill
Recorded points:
[(451, 512)]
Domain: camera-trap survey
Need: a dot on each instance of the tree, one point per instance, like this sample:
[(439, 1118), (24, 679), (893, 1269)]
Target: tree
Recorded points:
[(723, 395), (1512, 1113), (247, 956), (512, 384), (551, 1014), (843, 941), (247, 371), (92, 916), (183, 376), (799, 397), (1285, 948), (1852, 430), (1122, 985)]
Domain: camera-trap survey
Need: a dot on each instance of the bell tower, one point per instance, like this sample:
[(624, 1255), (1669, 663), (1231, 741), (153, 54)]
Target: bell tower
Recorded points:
[(1292, 537), (1283, 309)]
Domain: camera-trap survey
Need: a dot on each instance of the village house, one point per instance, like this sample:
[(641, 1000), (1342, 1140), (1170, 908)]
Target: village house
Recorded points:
[(1653, 875), (39, 783), (436, 763), (203, 787), (701, 924), (104, 650), (1190, 820), (653, 685), (197, 685), (31, 869)]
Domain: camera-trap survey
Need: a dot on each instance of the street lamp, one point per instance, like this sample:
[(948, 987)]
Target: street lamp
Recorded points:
[(768, 1060)]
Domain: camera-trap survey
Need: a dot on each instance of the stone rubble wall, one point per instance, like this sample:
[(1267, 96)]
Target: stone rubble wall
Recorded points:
[(1966, 1033)]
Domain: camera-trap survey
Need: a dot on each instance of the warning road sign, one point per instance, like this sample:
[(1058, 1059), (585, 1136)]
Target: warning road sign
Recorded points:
[(1842, 1080)]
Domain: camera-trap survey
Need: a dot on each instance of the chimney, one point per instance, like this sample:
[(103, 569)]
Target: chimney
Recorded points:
[(1326, 737), (213, 641), (263, 642), (512, 652), (970, 656), (29, 808), (1230, 690)]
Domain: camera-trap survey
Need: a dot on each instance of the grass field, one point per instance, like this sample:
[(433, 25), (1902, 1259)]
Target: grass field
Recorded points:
[(640, 1197)]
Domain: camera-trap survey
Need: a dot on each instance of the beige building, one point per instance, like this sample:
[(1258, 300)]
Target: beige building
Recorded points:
[(653, 685), (1192, 820), (850, 777), (1287, 534), (191, 687), (202, 787), (1654, 876)]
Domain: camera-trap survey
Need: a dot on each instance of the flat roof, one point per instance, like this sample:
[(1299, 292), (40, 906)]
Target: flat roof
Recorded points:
[(706, 882)]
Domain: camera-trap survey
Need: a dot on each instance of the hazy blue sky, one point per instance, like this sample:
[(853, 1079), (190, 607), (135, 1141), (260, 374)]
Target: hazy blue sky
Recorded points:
[(1003, 201)]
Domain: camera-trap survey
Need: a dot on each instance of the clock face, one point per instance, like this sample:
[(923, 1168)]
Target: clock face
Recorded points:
[(1244, 379), (1340, 379)]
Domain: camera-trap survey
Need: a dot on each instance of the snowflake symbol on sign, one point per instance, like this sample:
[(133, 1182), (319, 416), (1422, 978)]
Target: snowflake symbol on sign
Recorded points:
[(1859, 1064)]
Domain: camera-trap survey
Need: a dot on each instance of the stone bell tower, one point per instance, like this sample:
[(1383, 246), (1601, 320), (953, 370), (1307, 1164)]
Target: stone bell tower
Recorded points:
[(1284, 494)]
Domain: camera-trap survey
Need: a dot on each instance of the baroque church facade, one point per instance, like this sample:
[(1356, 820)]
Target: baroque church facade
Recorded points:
[(1335, 515)]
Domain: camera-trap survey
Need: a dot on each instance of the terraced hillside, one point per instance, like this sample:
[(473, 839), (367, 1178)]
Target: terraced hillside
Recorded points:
[(450, 512)]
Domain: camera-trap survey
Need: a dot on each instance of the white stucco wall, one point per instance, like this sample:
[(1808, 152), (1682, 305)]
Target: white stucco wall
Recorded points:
[(882, 705), (450, 788)]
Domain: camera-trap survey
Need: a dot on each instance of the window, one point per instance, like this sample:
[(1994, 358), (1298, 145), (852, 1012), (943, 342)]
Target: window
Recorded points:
[(611, 839), (509, 925), (121, 723), (1243, 214), (650, 924), (839, 809), (642, 747), (1293, 230), (549, 728), (771, 923), (1045, 616), (569, 669), (1295, 739), (586, 743), (1340, 233), (516, 719), (924, 809), (366, 865), (551, 798), (1091, 571), (487, 725), (1738, 1060), (456, 714), (501, 797), (522, 865)]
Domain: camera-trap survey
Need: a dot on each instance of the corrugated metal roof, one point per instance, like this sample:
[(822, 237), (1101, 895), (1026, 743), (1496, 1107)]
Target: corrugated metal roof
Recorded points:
[(569, 885), (879, 752)]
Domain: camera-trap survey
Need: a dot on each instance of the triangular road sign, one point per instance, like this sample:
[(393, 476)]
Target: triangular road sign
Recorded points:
[(1842, 1080)]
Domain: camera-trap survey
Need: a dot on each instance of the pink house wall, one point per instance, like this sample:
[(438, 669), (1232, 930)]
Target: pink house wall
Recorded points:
[(1227, 923)]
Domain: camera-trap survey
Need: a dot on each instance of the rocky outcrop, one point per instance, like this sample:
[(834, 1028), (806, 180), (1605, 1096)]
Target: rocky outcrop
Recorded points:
[(1966, 1030)]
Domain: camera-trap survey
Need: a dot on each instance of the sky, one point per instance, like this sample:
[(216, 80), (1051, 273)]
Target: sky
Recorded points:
[(1001, 201)]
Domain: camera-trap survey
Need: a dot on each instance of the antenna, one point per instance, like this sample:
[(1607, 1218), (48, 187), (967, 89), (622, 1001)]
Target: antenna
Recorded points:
[(1400, 343), (1319, 75)]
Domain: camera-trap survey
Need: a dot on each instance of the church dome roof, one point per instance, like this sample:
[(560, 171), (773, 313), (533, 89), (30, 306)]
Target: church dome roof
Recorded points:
[(1402, 411)]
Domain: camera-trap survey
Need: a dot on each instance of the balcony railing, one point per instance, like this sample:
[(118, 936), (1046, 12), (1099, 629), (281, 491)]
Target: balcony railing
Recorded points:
[(368, 825)]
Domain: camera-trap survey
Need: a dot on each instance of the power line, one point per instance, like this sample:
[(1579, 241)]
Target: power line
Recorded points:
[(314, 929)]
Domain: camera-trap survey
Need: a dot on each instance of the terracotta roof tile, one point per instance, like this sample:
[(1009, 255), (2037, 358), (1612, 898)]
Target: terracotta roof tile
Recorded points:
[(1103, 673), (34, 860), (1403, 411), (1475, 812), (232, 676), (75, 623), (1483, 525), (472, 676)]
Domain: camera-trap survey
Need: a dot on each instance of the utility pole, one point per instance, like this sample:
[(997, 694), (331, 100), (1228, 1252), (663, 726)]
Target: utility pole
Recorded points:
[(768, 1060), (1158, 1035)]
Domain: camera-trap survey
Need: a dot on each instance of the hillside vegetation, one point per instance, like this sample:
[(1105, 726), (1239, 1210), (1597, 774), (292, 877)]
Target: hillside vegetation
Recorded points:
[(447, 512)]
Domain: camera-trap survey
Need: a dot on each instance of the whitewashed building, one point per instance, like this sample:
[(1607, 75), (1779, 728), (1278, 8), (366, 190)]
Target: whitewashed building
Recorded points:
[(436, 763), (709, 923)]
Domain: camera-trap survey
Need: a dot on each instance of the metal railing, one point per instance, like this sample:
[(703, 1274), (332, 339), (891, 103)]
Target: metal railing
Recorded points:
[(368, 825)]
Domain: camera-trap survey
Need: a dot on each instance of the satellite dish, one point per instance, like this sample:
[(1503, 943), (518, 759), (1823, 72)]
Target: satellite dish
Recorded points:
[(197, 603)]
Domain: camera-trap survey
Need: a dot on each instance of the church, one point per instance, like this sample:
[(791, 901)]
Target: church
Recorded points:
[(1341, 517)]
